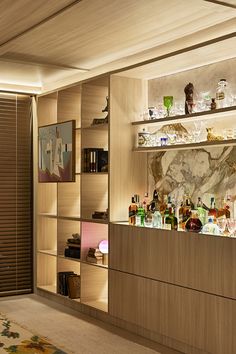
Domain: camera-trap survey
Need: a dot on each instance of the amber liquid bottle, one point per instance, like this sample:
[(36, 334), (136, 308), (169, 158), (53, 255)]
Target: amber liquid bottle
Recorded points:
[(212, 211), (132, 212)]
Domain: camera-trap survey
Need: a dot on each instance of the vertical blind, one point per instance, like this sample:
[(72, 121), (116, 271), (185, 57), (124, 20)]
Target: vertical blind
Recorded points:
[(15, 194)]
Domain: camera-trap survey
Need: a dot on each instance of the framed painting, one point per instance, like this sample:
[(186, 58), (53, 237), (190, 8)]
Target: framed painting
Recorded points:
[(57, 152)]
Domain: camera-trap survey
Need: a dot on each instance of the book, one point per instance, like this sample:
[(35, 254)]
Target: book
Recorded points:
[(73, 283), (62, 282), (90, 159)]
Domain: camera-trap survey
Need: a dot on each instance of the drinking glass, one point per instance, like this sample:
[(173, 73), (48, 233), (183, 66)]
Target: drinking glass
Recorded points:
[(168, 103), (221, 222), (231, 224)]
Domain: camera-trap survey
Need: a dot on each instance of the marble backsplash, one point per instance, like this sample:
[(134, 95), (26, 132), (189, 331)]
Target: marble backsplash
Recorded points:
[(204, 172)]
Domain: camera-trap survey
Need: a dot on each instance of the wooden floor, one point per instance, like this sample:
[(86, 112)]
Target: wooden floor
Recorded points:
[(73, 332)]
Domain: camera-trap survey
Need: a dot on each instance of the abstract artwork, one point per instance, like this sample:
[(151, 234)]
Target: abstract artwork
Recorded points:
[(57, 152)]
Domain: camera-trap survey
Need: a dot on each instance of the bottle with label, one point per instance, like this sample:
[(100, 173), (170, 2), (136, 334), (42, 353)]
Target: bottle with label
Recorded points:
[(212, 210), (140, 216), (202, 211), (211, 228), (187, 207), (132, 212), (156, 217), (193, 224), (221, 97), (148, 220), (171, 221)]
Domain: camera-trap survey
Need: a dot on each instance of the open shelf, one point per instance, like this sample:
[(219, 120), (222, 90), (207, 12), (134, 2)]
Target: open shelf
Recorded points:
[(50, 288), (69, 198), (202, 144), (102, 126), (185, 118), (99, 304), (48, 215), (94, 286), (49, 252)]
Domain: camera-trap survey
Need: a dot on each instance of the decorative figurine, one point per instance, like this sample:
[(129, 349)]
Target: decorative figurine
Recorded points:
[(189, 98), (106, 110), (211, 136)]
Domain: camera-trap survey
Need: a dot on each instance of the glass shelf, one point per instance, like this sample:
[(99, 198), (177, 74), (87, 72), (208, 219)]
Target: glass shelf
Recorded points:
[(214, 114), (200, 145)]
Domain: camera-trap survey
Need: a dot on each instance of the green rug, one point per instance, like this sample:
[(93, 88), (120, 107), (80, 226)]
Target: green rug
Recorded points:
[(18, 340)]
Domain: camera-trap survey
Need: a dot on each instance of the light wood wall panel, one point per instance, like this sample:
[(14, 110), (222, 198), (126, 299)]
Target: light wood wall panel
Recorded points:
[(203, 321), (47, 198), (47, 233), (47, 109), (69, 105), (46, 270), (206, 263), (128, 171), (69, 198)]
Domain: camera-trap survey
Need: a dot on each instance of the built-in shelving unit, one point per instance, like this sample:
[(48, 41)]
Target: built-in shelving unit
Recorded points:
[(158, 279), (66, 208), (164, 272)]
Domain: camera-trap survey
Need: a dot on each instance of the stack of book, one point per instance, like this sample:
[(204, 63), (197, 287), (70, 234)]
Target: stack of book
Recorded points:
[(94, 256), (73, 247), (95, 160), (100, 215), (69, 284)]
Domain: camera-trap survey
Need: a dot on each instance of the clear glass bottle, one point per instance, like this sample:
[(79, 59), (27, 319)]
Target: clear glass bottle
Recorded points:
[(210, 228), (221, 94)]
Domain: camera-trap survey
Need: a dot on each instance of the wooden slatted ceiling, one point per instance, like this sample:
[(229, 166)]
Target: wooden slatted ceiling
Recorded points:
[(92, 32), (27, 12), (15, 195)]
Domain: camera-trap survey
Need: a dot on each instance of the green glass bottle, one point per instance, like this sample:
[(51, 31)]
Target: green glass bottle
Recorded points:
[(171, 221)]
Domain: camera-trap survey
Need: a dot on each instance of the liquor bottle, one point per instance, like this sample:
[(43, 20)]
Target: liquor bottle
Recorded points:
[(212, 210), (148, 220), (210, 227), (156, 217), (132, 212), (221, 99), (140, 216), (179, 214), (202, 211), (228, 206), (187, 207), (193, 224), (171, 221)]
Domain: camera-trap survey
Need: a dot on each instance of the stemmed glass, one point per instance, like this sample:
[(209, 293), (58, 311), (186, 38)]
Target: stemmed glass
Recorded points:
[(231, 224), (221, 222), (168, 103)]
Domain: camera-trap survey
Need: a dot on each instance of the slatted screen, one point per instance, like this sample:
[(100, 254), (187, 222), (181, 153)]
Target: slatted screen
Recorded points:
[(15, 194)]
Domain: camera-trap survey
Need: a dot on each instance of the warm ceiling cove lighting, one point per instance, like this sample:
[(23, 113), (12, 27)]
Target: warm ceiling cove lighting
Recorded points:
[(19, 88)]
